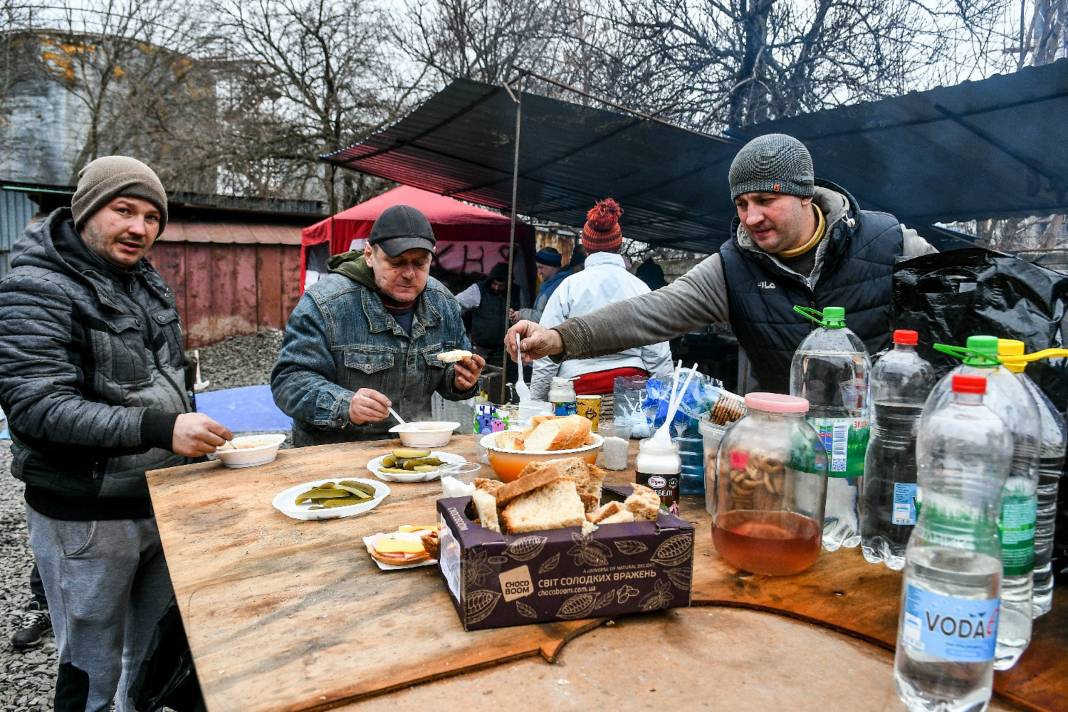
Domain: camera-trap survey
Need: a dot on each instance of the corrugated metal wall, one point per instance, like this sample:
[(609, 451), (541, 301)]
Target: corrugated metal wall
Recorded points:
[(228, 290), (15, 213)]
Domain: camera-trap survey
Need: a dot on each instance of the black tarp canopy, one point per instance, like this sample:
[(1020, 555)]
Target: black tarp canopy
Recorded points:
[(991, 148)]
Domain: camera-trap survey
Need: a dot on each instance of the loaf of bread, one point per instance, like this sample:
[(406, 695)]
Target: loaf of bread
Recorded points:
[(454, 355), (548, 433)]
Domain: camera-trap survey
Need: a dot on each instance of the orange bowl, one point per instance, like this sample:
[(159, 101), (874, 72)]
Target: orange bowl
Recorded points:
[(507, 464)]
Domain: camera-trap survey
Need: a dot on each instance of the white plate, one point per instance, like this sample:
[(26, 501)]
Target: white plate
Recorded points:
[(447, 457), (285, 500)]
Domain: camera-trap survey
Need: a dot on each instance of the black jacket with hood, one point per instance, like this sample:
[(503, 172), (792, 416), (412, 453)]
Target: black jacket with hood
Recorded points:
[(91, 375)]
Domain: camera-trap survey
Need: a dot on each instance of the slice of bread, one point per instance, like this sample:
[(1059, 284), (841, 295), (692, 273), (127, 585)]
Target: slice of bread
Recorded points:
[(551, 506), (490, 486), (533, 476), (454, 355), (486, 508), (510, 440), (605, 511), (574, 429), (643, 503), (621, 517), (542, 437)]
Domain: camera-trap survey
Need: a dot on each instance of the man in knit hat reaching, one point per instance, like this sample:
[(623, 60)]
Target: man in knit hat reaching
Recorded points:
[(603, 281), (92, 378), (795, 241)]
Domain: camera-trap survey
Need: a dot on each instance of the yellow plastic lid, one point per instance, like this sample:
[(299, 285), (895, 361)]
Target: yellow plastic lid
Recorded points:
[(1012, 347)]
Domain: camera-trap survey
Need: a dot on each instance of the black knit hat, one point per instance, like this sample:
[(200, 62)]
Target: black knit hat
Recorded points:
[(400, 228), (774, 163)]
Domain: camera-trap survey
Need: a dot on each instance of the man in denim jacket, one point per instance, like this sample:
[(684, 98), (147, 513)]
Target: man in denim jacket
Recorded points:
[(368, 335)]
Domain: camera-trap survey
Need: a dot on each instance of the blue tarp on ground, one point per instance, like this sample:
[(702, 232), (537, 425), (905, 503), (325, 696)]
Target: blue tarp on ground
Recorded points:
[(244, 410)]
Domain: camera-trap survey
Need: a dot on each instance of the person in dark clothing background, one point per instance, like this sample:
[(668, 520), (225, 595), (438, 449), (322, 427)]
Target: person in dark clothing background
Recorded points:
[(485, 300), (651, 273)]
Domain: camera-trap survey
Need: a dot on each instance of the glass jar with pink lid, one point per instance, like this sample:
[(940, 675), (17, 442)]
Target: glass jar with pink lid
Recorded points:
[(771, 484)]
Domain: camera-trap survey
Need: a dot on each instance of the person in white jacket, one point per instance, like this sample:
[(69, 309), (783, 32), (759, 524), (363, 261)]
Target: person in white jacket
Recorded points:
[(604, 280)]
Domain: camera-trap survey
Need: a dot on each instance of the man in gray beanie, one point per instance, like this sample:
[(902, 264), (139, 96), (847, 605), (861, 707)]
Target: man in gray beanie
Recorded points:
[(796, 240), (92, 378)]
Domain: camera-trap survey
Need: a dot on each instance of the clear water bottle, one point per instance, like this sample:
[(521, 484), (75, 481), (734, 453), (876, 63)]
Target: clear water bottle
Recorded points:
[(900, 382), (1008, 397), (949, 599), (830, 370), (1050, 464)]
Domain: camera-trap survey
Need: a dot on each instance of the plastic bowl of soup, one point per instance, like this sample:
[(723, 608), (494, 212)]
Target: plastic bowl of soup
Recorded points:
[(250, 450), (423, 434)]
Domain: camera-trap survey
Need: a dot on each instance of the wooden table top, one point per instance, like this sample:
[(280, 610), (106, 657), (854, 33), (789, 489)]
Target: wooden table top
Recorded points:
[(290, 615)]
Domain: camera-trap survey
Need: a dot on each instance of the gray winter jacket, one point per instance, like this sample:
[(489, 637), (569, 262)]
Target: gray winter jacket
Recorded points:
[(91, 375)]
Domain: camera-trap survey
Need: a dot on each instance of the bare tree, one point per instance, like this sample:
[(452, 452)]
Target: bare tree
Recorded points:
[(711, 64), (319, 77)]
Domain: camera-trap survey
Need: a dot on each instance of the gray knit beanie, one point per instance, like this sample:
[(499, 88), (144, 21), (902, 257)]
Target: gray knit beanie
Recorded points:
[(774, 163), (113, 176)]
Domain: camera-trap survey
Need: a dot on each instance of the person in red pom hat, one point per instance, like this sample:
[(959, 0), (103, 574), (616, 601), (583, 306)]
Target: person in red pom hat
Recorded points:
[(602, 233), (603, 281)]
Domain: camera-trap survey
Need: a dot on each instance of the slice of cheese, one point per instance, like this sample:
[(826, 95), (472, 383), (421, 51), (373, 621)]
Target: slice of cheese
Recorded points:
[(398, 545)]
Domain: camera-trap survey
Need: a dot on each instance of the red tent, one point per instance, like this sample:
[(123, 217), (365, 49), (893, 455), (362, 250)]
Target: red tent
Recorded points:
[(470, 240)]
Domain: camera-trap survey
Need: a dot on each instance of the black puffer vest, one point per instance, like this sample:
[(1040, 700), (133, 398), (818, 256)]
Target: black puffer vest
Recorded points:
[(855, 273), (487, 321)]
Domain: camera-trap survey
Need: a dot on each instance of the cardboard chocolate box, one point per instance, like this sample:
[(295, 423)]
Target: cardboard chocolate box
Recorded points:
[(498, 580)]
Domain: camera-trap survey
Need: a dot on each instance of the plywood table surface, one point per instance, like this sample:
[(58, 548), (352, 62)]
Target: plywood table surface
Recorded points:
[(290, 615)]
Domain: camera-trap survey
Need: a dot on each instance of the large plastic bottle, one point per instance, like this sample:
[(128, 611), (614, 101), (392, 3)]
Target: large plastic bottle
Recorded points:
[(830, 370), (900, 382), (1008, 397), (1050, 463), (949, 599)]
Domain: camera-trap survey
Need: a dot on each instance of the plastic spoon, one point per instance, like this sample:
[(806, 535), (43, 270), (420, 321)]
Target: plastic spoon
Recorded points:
[(397, 417), (521, 388), (663, 433)]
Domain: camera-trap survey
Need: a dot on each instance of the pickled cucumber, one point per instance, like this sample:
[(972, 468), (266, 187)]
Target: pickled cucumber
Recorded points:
[(409, 454), (389, 460), (425, 468), (395, 470), (342, 502), (320, 493), (366, 489)]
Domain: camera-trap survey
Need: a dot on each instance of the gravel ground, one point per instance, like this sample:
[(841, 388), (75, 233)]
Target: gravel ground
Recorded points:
[(27, 679)]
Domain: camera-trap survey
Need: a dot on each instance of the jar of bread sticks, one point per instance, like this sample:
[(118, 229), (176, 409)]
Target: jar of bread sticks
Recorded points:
[(771, 482)]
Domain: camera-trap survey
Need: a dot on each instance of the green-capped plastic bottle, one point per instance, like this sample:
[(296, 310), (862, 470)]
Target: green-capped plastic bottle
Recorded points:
[(1009, 398), (830, 370)]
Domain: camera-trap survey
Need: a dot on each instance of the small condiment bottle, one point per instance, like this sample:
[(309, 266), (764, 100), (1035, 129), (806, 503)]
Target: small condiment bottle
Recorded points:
[(658, 467), (562, 397)]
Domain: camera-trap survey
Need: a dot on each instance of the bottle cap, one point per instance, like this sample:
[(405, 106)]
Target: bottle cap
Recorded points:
[(986, 351), (834, 317), (1012, 347), (775, 403), (906, 337), (969, 384)]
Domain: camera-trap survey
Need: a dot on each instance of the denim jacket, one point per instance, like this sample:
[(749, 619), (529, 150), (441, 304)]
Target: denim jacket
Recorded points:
[(340, 338)]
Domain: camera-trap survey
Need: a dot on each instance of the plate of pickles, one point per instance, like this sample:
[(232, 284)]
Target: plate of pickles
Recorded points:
[(412, 465), (330, 499)]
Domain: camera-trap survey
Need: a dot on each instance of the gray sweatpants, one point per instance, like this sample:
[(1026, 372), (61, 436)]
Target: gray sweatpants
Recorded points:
[(107, 585)]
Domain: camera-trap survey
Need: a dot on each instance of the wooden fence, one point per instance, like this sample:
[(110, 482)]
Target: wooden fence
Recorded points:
[(226, 290)]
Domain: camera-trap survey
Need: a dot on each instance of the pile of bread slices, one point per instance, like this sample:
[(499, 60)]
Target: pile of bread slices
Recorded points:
[(548, 433), (553, 494)]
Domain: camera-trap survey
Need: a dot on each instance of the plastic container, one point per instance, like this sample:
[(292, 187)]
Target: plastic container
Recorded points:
[(1008, 397), (658, 467), (692, 460), (250, 450), (425, 433), (562, 396), (949, 598), (830, 370), (900, 382), (1050, 463), (507, 464), (771, 482), (615, 454), (711, 435)]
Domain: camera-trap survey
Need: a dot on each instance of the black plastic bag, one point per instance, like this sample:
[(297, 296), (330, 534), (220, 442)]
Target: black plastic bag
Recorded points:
[(950, 296), (167, 677)]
